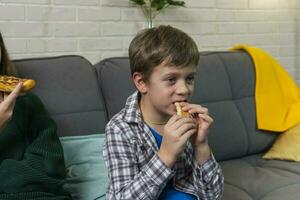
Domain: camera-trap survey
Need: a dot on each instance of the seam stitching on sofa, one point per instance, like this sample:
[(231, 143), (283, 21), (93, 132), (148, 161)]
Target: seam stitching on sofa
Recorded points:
[(279, 168), (52, 58), (224, 65), (225, 100), (100, 67), (241, 189), (244, 124), (101, 96), (57, 114), (278, 188), (99, 74)]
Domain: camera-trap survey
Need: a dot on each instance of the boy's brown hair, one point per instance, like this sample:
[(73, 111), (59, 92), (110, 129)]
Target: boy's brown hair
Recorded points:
[(151, 47), (6, 66)]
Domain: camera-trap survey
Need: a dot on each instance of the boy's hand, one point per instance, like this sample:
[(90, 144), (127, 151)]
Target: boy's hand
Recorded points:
[(7, 104), (176, 133), (203, 121)]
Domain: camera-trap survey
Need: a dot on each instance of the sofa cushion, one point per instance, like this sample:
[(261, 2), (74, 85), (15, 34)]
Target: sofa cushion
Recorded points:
[(225, 84), (86, 172), (69, 88), (252, 178), (286, 146), (115, 81)]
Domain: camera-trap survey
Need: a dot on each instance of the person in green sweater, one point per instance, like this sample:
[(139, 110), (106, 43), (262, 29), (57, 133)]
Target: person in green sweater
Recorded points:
[(31, 156)]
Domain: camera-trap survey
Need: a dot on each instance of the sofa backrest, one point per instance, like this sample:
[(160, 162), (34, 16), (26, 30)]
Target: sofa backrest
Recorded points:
[(115, 83), (68, 87), (225, 84), (81, 97)]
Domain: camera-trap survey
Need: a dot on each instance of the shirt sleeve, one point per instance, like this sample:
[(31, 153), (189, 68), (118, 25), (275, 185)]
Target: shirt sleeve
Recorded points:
[(208, 179), (127, 179)]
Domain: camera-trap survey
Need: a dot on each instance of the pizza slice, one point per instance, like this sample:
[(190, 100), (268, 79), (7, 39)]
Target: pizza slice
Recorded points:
[(8, 83), (180, 111)]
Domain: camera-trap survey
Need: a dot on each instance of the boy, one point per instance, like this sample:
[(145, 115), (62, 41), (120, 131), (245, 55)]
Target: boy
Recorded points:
[(150, 152)]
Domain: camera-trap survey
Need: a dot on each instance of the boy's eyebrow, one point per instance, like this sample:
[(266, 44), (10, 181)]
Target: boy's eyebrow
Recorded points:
[(177, 73), (171, 74)]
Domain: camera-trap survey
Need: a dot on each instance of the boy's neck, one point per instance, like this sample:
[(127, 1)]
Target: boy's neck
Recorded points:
[(150, 115)]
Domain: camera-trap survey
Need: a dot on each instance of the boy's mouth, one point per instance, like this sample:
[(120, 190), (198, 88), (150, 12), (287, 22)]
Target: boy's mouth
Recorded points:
[(179, 101)]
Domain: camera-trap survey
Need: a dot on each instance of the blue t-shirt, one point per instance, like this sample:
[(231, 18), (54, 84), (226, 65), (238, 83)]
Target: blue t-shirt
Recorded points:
[(169, 192)]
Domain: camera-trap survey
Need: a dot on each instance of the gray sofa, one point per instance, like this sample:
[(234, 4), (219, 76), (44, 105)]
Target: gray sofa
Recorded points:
[(82, 98)]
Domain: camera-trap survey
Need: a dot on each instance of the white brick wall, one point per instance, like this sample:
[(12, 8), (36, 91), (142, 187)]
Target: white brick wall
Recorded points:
[(98, 29), (297, 59)]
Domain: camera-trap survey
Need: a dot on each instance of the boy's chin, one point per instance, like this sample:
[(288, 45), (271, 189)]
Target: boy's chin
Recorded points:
[(167, 113), (171, 113)]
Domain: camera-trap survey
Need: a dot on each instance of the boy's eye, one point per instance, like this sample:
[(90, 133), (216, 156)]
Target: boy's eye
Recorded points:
[(190, 79), (171, 80)]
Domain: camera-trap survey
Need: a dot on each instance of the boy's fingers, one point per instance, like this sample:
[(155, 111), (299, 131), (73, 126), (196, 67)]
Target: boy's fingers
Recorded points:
[(206, 118), (182, 104), (196, 109), (183, 129), (181, 121), (173, 119), (188, 134)]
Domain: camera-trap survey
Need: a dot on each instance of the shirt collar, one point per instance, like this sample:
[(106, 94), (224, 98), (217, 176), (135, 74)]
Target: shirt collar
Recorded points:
[(132, 109)]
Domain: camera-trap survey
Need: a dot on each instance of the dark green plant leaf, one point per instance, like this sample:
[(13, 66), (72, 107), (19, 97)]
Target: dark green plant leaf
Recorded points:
[(158, 4), (176, 3), (138, 2)]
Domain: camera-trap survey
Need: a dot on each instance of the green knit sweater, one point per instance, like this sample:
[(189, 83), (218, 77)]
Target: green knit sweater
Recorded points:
[(31, 156)]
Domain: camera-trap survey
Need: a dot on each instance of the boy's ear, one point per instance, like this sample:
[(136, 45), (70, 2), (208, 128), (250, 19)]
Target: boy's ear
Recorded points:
[(139, 82)]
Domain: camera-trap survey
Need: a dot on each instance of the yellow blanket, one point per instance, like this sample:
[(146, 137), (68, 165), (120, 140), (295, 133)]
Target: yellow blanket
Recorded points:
[(277, 96)]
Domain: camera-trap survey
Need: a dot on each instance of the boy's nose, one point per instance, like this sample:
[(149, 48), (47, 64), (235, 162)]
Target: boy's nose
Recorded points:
[(182, 89)]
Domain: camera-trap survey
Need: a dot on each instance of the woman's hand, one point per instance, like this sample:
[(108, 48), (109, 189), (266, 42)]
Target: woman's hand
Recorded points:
[(7, 104)]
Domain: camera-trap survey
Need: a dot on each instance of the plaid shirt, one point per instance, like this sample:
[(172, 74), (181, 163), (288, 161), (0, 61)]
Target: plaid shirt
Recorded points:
[(136, 172)]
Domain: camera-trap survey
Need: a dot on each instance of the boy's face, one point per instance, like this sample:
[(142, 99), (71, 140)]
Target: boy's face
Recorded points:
[(167, 85)]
